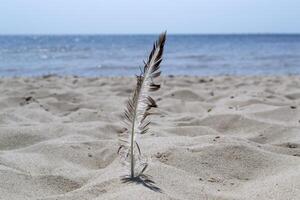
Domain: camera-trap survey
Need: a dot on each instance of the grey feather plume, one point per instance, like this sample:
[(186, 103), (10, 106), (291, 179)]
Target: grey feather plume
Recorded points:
[(137, 111)]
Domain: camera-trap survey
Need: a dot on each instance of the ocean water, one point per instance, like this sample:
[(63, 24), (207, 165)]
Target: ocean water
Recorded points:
[(122, 55)]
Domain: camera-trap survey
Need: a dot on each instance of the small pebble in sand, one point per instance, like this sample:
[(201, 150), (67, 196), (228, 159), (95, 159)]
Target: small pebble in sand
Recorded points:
[(28, 98), (202, 81), (158, 155), (213, 180), (291, 146)]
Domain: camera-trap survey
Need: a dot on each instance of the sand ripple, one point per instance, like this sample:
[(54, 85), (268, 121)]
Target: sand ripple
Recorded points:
[(214, 138)]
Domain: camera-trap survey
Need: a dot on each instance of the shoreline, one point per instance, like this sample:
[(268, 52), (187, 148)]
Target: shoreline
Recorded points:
[(162, 75)]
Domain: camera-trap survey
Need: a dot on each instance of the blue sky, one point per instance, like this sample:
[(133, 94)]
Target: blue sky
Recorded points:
[(143, 16)]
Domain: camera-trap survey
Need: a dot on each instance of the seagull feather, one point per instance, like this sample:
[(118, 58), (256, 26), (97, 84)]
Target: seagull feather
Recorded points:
[(137, 110)]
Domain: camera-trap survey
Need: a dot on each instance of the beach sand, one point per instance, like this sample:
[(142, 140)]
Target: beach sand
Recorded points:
[(213, 138)]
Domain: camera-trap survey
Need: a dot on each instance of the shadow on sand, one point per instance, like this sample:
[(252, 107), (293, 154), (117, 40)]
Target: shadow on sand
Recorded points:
[(142, 179)]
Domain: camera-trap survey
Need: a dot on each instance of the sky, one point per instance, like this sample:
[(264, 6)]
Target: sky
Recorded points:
[(146, 17)]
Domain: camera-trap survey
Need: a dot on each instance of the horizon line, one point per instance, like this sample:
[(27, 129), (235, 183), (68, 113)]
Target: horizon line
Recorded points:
[(78, 34)]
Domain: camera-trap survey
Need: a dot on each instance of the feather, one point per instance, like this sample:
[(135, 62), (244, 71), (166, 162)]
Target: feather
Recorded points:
[(137, 110)]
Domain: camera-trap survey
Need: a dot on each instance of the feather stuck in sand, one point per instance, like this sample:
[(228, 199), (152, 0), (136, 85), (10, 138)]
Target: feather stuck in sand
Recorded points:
[(137, 111)]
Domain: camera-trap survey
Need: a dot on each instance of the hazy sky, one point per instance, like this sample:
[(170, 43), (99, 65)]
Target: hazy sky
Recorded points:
[(144, 16)]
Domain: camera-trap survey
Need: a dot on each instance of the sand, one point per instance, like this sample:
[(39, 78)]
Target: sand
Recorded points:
[(213, 138)]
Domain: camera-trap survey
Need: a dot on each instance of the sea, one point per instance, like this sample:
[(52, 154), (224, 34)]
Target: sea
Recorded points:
[(123, 55)]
